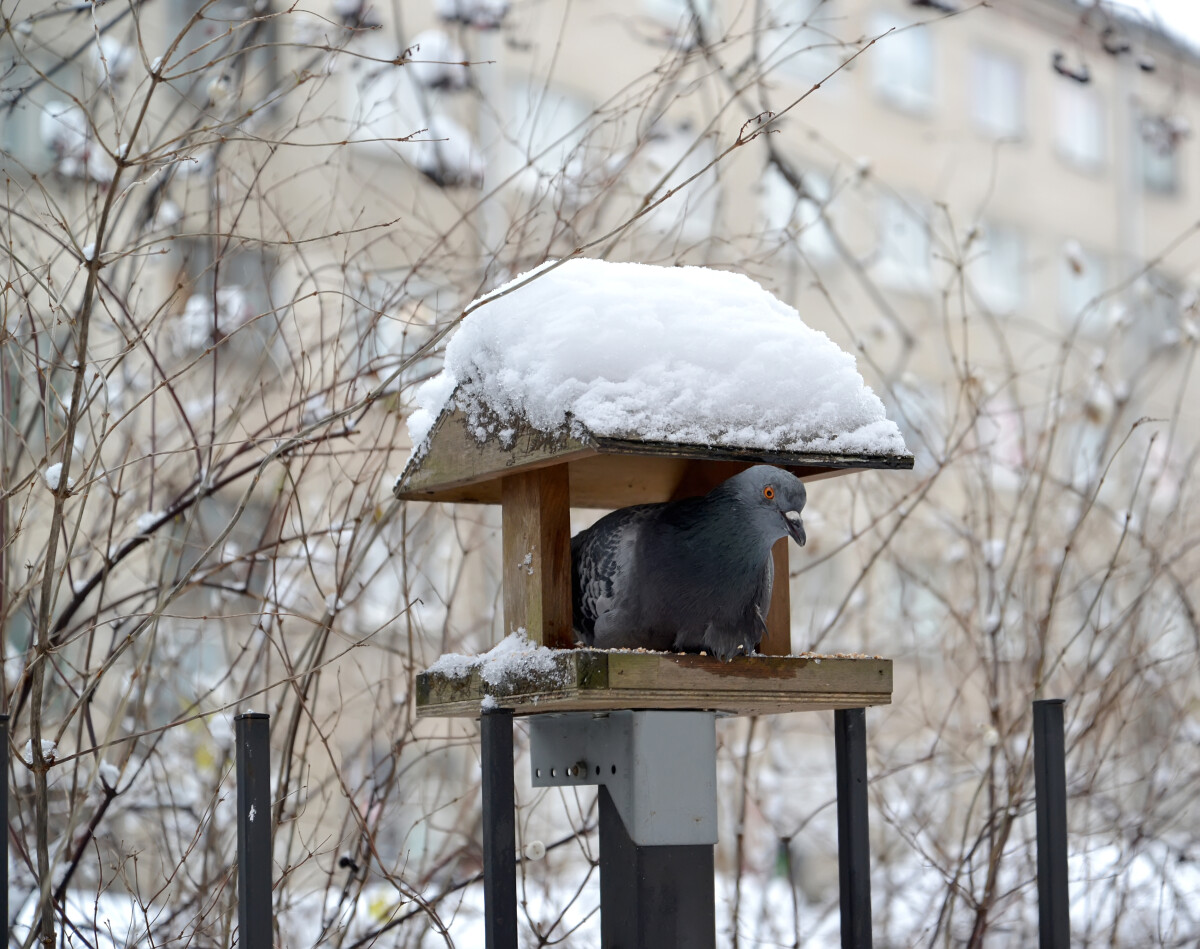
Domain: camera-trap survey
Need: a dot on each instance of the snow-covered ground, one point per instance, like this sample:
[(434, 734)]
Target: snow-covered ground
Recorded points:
[(1145, 899)]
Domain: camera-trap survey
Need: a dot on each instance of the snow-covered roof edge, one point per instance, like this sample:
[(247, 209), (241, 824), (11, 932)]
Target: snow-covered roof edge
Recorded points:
[(688, 356)]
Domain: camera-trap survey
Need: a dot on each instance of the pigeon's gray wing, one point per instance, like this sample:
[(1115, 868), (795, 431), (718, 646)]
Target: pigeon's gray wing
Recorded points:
[(742, 632), (603, 565), (763, 598)]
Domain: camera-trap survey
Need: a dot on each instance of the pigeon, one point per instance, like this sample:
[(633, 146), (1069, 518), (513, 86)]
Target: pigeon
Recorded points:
[(692, 575)]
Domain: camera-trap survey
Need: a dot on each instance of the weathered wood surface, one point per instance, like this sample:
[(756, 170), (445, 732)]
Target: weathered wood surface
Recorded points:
[(456, 460), (604, 472), (596, 679), (536, 545), (778, 640)]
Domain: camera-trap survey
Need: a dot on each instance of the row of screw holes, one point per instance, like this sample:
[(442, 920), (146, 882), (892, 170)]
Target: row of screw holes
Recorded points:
[(554, 771)]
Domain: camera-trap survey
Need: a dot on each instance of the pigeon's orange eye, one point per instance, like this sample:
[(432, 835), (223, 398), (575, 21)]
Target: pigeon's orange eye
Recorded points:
[(769, 493)]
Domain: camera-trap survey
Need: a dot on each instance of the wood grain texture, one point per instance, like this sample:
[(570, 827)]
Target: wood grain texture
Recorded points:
[(536, 519), (596, 679), (605, 472), (458, 462), (778, 640)]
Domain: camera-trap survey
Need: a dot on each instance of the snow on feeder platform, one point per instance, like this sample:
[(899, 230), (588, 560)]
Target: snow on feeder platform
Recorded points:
[(600, 385)]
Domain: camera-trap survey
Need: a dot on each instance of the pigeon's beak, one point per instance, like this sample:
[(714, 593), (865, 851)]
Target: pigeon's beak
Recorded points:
[(795, 526)]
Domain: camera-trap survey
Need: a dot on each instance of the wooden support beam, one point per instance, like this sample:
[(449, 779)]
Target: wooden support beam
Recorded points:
[(778, 640), (537, 555)]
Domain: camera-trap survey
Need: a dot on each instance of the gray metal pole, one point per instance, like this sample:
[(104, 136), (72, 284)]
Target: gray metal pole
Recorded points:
[(854, 849), (253, 758), (1050, 790), (499, 830)]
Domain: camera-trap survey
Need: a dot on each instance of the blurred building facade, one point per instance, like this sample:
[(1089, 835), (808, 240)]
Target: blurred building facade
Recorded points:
[(1023, 174)]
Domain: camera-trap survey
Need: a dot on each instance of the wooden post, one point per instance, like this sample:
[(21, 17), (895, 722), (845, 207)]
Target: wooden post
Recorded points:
[(778, 640), (537, 555)]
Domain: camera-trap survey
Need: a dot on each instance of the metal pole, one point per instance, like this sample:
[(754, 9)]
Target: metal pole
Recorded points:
[(253, 757), (652, 897), (1050, 789), (4, 826), (854, 849), (499, 830)]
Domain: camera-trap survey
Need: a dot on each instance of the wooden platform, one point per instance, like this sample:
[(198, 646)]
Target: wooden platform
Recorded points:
[(596, 679)]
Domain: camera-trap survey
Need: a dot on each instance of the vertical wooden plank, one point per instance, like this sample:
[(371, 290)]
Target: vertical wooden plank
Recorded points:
[(778, 641), (537, 555)]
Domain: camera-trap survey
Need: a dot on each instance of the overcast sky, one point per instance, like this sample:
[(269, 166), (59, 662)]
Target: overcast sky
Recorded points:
[(1178, 16)]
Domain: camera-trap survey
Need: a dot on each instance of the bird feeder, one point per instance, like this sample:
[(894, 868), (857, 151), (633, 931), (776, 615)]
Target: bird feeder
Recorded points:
[(604, 717), (537, 480)]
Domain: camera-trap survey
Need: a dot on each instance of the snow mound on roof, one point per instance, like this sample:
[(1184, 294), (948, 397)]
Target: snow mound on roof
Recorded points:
[(673, 354)]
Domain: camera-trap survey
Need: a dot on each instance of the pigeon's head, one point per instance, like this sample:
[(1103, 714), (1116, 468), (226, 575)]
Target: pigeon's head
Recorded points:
[(775, 499)]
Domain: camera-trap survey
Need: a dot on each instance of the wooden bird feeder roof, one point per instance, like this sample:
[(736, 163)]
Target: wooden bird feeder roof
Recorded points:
[(603, 472)]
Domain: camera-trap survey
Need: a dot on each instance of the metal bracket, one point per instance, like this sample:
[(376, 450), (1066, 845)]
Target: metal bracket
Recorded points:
[(660, 768)]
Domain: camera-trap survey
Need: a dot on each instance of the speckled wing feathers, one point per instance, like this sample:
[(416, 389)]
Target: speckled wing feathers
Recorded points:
[(604, 563)]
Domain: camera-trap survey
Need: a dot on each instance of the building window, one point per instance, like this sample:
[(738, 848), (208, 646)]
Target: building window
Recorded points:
[(1088, 435), (903, 70), (1157, 144), (997, 94), (227, 47), (798, 40), (1083, 279), (903, 260), (28, 108), (920, 412), (233, 298), (1000, 429), (383, 104), (922, 613), (671, 155), (543, 137), (1079, 128), (796, 220), (1157, 311), (391, 320), (998, 269)]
